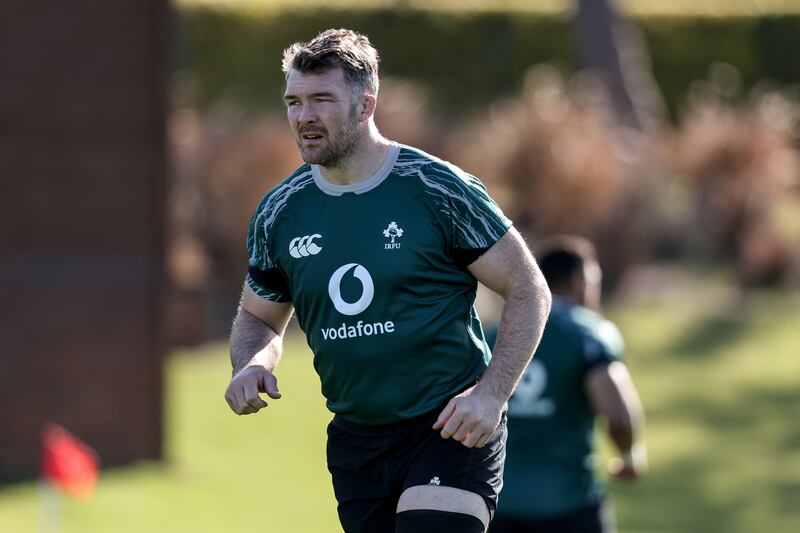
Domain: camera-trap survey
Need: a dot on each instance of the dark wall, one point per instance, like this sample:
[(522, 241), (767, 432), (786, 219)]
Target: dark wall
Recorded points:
[(82, 189)]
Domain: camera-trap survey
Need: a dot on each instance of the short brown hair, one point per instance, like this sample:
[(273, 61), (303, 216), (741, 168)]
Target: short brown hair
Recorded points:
[(336, 48)]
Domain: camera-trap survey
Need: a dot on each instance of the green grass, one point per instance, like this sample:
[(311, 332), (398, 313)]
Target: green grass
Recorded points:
[(722, 404), (722, 408), (223, 473)]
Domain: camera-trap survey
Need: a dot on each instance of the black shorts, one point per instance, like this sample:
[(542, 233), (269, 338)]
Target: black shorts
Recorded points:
[(595, 518), (371, 466)]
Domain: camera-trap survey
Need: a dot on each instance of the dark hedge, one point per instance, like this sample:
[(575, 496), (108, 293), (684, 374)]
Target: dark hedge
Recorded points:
[(468, 60)]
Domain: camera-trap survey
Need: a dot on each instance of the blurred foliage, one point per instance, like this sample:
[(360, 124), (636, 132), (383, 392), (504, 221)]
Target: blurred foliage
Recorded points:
[(719, 187), (233, 53), (742, 165), (722, 441), (224, 163), (550, 159)]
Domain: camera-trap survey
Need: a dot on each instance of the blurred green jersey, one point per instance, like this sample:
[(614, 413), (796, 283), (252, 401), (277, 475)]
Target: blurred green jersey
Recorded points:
[(549, 463), (376, 271)]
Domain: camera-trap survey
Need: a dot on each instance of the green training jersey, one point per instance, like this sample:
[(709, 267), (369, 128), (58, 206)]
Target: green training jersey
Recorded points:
[(549, 463), (376, 271)]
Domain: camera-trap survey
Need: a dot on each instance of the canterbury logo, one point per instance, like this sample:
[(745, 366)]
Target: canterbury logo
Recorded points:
[(335, 291), (304, 246)]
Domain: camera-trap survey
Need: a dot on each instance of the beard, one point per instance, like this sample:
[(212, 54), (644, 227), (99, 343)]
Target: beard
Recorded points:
[(341, 144)]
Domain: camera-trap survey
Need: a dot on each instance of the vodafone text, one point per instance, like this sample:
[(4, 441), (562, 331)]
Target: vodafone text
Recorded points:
[(360, 329)]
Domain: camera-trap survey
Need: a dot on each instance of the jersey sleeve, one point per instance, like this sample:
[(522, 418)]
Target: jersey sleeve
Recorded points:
[(602, 347), (264, 277), (477, 222)]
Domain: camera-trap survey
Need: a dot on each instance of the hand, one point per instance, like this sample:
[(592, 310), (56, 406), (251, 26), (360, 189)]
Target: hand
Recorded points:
[(631, 465), (242, 393), (470, 418)]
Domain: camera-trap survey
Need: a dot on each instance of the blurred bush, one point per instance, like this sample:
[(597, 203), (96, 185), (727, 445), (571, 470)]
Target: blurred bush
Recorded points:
[(558, 163), (722, 187), (224, 162), (234, 54), (546, 155), (738, 155)]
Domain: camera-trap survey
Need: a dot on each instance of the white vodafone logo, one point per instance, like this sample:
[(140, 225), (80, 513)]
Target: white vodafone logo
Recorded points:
[(304, 246), (335, 292)]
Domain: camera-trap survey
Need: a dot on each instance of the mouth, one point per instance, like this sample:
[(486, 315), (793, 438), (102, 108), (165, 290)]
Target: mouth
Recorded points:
[(311, 136)]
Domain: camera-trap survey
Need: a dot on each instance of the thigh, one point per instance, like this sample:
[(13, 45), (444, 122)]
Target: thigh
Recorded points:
[(366, 500), (447, 463), (430, 505), (427, 521)]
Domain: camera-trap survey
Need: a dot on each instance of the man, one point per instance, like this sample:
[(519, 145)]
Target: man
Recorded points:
[(377, 247), (576, 374)]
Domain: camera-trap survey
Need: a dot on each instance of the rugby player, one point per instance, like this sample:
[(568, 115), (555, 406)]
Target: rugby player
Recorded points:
[(576, 375), (378, 247)]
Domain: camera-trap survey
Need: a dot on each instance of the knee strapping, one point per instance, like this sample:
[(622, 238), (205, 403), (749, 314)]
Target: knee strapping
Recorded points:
[(431, 521)]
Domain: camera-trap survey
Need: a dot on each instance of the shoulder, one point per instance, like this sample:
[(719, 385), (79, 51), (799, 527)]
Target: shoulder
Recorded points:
[(447, 185), (599, 333), (277, 198), (594, 334), (433, 171)]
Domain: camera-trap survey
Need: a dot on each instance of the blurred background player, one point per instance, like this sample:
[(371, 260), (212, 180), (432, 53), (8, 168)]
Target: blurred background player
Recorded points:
[(576, 375)]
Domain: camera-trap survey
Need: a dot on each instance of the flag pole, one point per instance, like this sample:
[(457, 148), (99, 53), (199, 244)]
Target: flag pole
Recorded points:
[(49, 506), (68, 466)]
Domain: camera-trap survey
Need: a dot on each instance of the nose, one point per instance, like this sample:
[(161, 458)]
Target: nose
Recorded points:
[(306, 114)]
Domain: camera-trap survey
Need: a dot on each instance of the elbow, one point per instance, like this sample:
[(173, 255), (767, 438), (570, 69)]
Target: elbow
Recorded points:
[(624, 426), (621, 429)]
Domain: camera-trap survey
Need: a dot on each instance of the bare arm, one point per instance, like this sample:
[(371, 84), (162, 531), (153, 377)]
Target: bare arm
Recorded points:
[(256, 348), (613, 395), (508, 268)]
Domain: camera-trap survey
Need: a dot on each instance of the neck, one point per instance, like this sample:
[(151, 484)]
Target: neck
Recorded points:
[(362, 163), (570, 298)]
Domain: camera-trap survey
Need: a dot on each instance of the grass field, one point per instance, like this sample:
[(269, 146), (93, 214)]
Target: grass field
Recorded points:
[(721, 397)]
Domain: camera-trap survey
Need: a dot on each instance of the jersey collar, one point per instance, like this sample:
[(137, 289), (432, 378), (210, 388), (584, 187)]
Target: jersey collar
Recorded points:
[(362, 186)]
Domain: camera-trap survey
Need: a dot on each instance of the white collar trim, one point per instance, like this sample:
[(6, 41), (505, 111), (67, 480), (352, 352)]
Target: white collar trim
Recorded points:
[(362, 186)]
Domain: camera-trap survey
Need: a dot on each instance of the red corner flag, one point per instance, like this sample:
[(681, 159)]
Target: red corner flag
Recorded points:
[(68, 462)]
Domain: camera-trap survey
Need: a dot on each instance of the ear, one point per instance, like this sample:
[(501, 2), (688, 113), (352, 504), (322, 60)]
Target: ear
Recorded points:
[(369, 103)]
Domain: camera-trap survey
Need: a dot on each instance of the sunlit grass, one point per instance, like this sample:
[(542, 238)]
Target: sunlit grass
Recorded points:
[(721, 400), (223, 473)]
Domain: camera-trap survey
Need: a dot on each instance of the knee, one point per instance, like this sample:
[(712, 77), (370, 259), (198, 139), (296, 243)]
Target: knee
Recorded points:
[(433, 521)]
